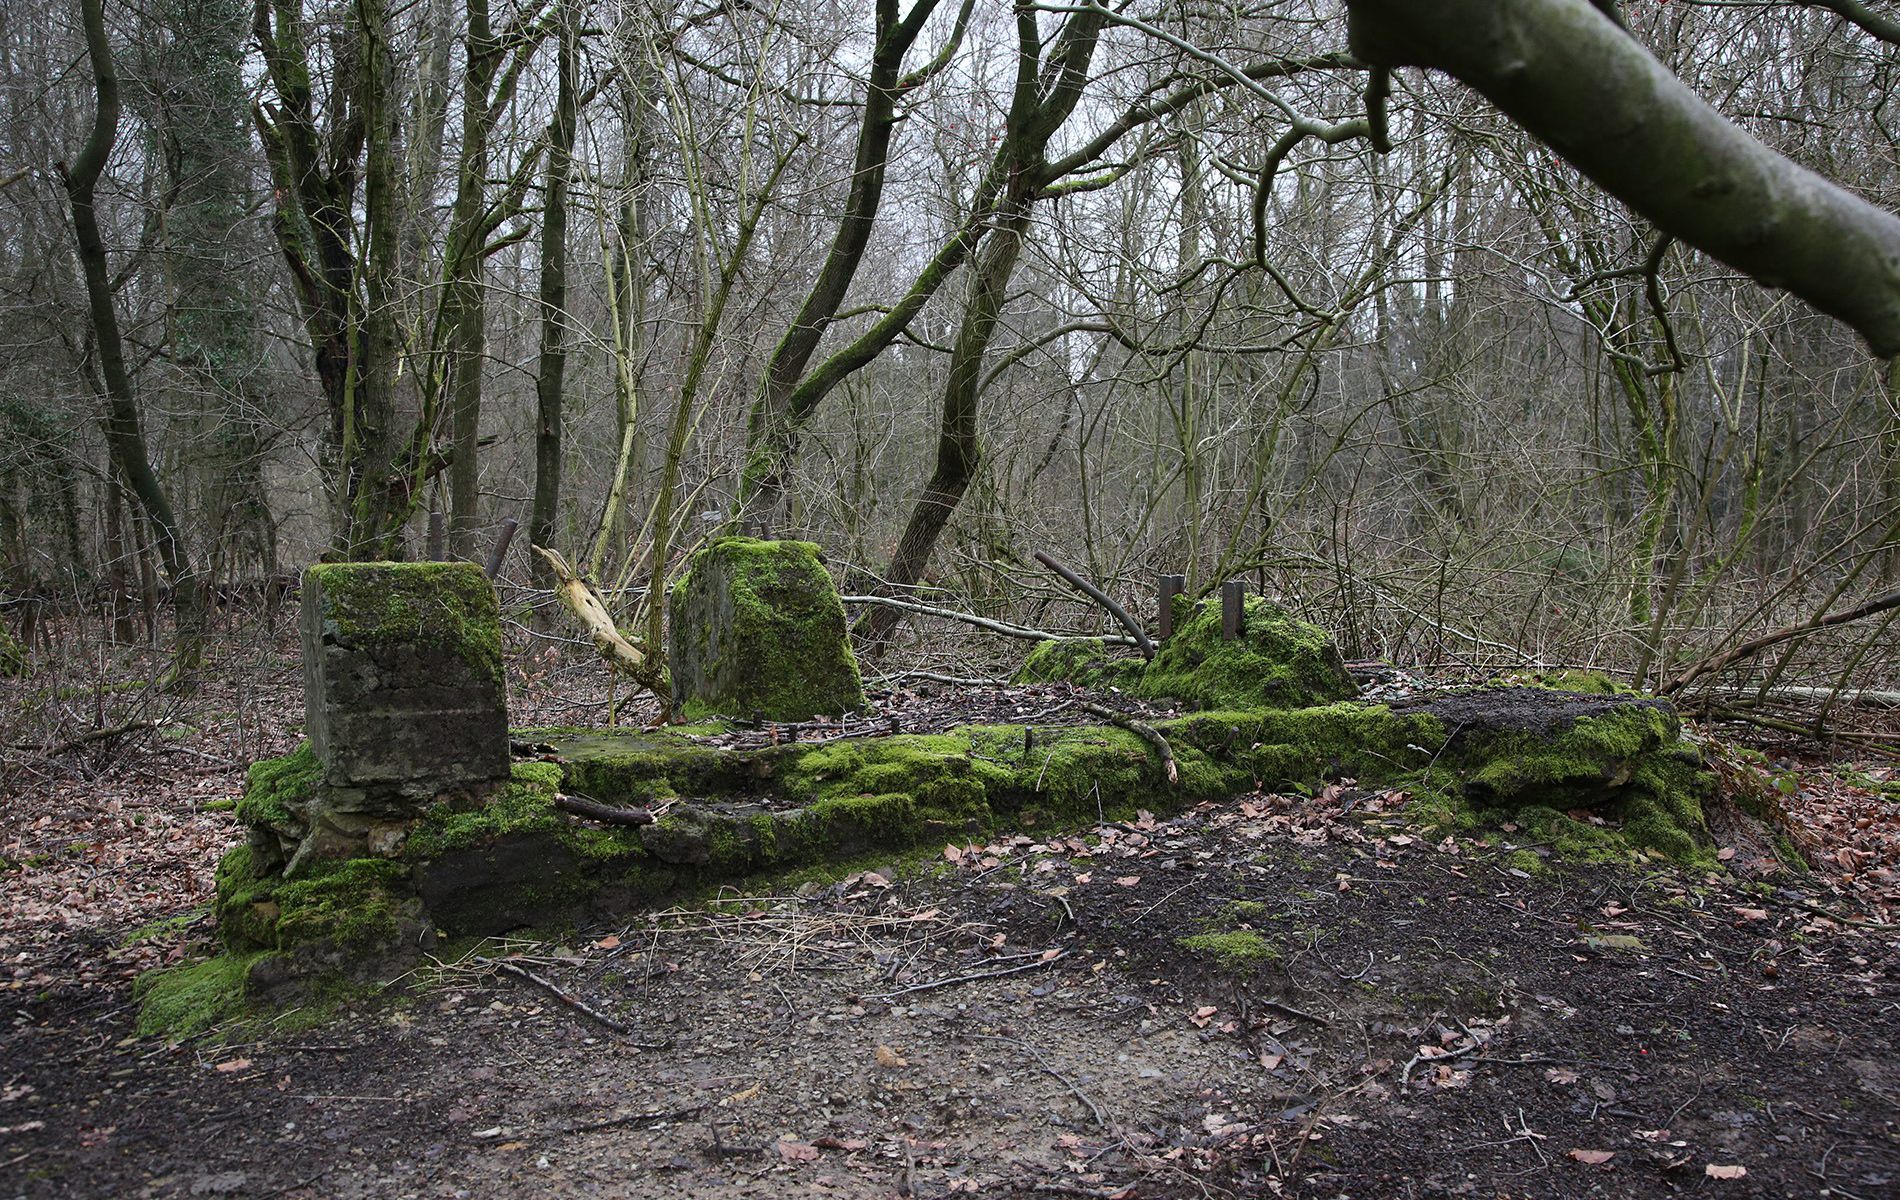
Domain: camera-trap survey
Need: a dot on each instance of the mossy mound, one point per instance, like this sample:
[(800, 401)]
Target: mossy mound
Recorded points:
[(1235, 951), (757, 627), (348, 924), (276, 790), (192, 997), (1590, 775), (352, 914), (1085, 662), (1278, 662)]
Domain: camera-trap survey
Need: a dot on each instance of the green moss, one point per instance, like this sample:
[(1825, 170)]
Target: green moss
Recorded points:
[(1592, 756), (274, 787), (1526, 861), (1239, 950), (192, 997), (524, 804), (1582, 681), (354, 904), (165, 927), (1084, 662), (446, 606), (782, 649), (1279, 661), (1247, 911)]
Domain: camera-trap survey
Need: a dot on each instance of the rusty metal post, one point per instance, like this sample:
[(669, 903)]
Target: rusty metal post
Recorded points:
[(1170, 587), (1233, 598)]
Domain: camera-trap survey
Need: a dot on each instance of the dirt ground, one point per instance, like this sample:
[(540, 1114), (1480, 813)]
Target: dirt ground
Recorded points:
[(1015, 1019), (1024, 1021)]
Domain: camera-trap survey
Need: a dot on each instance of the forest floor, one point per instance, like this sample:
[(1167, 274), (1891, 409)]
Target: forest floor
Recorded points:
[(1416, 1017)]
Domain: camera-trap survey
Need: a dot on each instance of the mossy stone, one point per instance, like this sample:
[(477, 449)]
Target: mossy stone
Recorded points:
[(757, 627), (404, 693)]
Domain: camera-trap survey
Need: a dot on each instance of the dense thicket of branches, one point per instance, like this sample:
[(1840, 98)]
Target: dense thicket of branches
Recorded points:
[(1230, 289)]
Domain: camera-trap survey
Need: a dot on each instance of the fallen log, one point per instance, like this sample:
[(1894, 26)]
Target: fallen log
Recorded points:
[(606, 814)]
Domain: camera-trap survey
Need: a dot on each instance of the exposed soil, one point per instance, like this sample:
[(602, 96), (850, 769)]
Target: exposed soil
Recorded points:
[(1474, 1025), (1023, 1021)]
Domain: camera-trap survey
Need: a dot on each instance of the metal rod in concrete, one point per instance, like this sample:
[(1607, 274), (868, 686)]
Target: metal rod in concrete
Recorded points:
[(1233, 599), (1170, 587)]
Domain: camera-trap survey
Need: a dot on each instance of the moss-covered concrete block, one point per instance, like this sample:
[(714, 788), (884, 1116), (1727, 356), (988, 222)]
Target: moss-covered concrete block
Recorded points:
[(756, 627), (404, 692)]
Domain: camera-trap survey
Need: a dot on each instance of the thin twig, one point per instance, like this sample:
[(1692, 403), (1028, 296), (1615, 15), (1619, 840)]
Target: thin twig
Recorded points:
[(934, 984), (565, 997), (605, 813), (1095, 1110)]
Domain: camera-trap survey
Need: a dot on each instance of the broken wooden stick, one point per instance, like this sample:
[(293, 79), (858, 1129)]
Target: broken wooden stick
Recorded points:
[(622, 654), (559, 993), (952, 980), (1145, 732), (1142, 641), (607, 814)]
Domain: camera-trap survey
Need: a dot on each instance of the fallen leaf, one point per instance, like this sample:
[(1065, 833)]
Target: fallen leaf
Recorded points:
[(1084, 877), (1595, 1158), (751, 1093), (798, 1152), (1203, 1015), (232, 1065), (1127, 881), (953, 854), (1718, 1171), (1725, 853), (1750, 914), (609, 942), (890, 1059), (1560, 1075)]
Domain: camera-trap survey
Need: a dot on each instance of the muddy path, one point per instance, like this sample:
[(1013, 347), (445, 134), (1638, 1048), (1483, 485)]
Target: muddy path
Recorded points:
[(1375, 1014)]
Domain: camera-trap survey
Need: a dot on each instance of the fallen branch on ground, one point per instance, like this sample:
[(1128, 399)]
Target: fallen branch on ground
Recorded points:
[(87, 738), (622, 654), (971, 978), (1002, 627), (1140, 636), (605, 813), (1145, 732), (1754, 646), (565, 997)]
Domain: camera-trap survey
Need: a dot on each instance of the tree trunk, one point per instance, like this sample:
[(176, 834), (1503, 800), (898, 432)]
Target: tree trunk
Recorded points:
[(465, 307), (124, 430), (1569, 75), (959, 449), (553, 296)]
